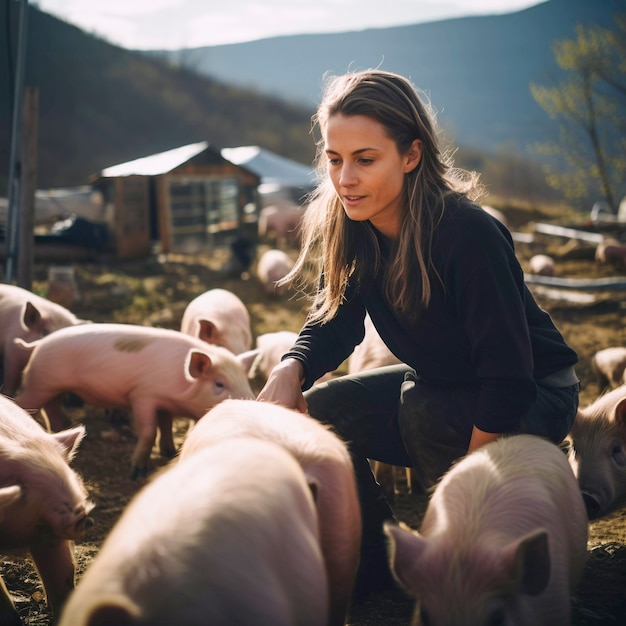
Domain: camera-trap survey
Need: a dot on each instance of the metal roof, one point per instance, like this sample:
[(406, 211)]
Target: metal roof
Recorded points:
[(156, 164), (271, 167)]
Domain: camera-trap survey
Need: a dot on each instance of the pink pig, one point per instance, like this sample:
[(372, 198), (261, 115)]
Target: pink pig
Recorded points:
[(43, 503), (370, 353), (324, 459), (609, 366), (269, 349), (272, 267), (219, 317), (156, 372), (27, 316), (227, 535), (541, 264), (597, 452), (503, 540)]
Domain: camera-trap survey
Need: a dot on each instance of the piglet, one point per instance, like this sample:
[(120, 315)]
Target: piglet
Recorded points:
[(503, 540), (541, 264), (609, 365), (27, 316), (372, 352), (324, 459), (219, 317), (43, 502), (611, 251), (227, 535), (261, 360), (597, 452), (273, 266), (157, 373)]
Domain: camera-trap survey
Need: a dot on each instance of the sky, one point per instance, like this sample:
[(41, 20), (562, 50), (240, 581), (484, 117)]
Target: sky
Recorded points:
[(176, 24)]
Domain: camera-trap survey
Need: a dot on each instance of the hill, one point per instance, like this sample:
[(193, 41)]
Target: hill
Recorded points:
[(100, 105), (475, 70)]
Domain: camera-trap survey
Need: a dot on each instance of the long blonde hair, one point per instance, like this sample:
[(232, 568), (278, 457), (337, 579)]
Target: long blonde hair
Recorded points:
[(339, 249)]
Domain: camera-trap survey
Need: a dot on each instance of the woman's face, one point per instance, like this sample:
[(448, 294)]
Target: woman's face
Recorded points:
[(367, 170)]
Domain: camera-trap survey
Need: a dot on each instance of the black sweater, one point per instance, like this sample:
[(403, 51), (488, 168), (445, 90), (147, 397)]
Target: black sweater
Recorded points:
[(482, 326)]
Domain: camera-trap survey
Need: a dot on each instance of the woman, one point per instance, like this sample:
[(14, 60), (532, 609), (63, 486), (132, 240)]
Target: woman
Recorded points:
[(398, 236)]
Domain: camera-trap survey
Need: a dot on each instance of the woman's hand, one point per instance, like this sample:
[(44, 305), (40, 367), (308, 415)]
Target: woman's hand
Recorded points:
[(480, 438), (284, 386)]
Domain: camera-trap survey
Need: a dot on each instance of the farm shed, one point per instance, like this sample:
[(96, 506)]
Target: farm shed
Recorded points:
[(187, 199), (283, 181)]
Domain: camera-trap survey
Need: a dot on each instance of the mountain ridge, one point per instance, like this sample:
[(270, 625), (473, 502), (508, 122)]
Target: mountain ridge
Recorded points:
[(477, 70)]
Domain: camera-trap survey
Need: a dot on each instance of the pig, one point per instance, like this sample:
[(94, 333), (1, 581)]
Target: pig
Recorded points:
[(269, 349), (44, 504), (610, 366), (272, 267), (596, 446), (27, 316), (503, 539), (370, 353), (237, 544), (281, 225), (325, 460), (8, 614), (541, 264), (157, 373), (499, 215), (219, 317), (611, 251)]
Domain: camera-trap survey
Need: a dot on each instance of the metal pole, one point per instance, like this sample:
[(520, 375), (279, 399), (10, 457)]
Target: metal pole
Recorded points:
[(15, 165)]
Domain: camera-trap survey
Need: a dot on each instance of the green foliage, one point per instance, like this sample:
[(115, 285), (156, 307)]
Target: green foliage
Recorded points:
[(589, 106)]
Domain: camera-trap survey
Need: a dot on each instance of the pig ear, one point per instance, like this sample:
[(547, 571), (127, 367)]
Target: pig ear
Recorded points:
[(620, 413), (199, 363), (31, 316), (405, 548), (528, 560), (249, 360), (8, 495), (314, 487), (208, 331), (70, 440), (117, 610)]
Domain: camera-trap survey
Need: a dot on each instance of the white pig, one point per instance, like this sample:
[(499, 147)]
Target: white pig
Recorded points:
[(541, 264), (281, 225), (323, 457), (267, 353), (370, 353), (597, 452), (219, 317), (8, 614), (226, 536), (503, 540), (610, 366), (27, 316), (157, 373), (273, 265), (44, 502)]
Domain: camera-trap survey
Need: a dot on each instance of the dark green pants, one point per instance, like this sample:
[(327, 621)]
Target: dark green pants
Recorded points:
[(389, 415)]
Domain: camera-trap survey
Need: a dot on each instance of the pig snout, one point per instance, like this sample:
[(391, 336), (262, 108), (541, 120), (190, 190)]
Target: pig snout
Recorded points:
[(75, 521), (592, 504), (83, 522), (598, 494)]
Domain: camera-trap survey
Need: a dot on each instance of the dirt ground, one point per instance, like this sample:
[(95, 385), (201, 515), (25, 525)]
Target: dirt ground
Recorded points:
[(155, 292)]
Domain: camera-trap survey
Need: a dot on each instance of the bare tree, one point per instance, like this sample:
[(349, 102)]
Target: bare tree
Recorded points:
[(589, 106)]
